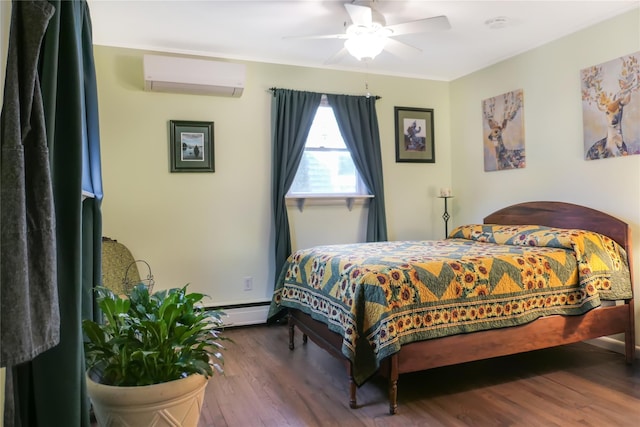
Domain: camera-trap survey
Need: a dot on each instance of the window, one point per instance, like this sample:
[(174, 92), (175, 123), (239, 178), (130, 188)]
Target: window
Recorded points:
[(326, 168)]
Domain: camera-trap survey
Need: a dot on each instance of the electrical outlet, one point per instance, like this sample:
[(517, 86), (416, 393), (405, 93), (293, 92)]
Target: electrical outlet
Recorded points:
[(248, 283)]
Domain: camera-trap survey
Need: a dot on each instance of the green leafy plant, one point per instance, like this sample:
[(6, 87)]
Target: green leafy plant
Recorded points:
[(153, 338)]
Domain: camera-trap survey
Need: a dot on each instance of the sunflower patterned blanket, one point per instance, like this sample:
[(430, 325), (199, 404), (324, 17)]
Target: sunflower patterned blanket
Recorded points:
[(382, 295)]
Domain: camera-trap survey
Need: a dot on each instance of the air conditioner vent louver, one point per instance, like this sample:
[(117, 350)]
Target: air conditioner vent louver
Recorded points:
[(193, 76)]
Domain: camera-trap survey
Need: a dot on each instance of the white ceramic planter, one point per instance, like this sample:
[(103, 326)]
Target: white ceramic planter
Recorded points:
[(175, 403)]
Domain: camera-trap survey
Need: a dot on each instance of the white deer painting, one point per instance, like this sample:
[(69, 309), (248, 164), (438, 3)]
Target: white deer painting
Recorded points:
[(503, 127), (611, 108)]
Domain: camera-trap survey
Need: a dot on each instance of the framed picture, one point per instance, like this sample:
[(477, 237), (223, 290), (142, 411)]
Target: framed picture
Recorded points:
[(503, 131), (191, 146), (611, 105), (414, 135)]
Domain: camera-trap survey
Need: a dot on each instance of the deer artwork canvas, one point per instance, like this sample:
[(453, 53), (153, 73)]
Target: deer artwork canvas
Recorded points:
[(611, 108), (503, 129)]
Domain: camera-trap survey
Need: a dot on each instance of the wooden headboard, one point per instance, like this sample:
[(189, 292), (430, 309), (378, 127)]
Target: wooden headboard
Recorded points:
[(564, 215)]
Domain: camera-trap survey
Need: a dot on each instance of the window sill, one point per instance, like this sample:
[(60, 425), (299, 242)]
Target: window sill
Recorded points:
[(300, 200)]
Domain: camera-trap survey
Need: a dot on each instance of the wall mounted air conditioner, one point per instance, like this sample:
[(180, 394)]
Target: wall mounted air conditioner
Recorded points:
[(195, 76)]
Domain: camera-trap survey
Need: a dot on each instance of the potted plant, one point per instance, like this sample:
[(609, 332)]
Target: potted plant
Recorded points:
[(151, 357)]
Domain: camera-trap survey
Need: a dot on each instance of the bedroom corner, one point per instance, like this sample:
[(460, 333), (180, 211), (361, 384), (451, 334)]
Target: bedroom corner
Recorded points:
[(550, 78)]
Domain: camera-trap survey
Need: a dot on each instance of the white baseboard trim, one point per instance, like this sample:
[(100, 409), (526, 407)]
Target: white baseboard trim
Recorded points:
[(612, 344)]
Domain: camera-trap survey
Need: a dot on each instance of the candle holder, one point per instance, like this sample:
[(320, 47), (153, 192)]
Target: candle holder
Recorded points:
[(446, 216)]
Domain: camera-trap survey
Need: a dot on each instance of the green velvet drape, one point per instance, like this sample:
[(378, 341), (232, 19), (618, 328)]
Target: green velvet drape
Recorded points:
[(52, 386), (292, 114), (358, 123)]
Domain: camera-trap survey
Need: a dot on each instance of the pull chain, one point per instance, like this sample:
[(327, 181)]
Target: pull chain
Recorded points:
[(366, 83)]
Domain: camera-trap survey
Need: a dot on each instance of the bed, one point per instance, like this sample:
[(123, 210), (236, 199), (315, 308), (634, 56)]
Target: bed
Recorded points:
[(355, 300)]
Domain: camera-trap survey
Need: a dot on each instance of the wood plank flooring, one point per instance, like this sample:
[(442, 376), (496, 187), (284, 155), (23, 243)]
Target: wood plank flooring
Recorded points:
[(266, 384)]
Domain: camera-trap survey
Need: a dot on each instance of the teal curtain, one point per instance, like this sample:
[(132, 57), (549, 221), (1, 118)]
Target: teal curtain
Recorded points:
[(51, 388), (292, 114), (358, 123)]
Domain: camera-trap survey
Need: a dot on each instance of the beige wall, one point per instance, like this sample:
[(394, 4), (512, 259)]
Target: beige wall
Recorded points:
[(212, 230), (556, 169), (5, 21)]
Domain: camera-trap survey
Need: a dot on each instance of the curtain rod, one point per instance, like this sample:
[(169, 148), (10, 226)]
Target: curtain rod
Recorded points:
[(273, 89)]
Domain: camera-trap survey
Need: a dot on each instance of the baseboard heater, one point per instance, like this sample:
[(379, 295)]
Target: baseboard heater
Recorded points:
[(253, 313)]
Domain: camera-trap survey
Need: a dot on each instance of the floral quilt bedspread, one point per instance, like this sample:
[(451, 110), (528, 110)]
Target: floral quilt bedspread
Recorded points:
[(382, 295)]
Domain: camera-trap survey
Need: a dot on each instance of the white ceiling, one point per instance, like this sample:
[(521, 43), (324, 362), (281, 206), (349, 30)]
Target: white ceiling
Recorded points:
[(256, 30)]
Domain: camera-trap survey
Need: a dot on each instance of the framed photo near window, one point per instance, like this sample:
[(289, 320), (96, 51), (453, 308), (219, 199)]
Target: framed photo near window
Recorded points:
[(414, 135), (191, 146)]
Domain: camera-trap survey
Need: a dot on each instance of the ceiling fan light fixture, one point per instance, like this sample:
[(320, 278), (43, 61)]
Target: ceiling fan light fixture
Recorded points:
[(364, 44)]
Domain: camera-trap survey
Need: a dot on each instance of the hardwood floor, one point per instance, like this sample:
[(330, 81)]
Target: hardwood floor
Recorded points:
[(266, 384)]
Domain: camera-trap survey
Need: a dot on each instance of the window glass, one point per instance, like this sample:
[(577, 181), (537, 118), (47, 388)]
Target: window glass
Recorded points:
[(326, 166)]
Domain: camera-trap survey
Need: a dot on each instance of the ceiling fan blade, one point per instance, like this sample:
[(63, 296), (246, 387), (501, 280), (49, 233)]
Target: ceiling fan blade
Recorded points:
[(436, 23), (400, 49), (337, 57), (319, 36), (360, 15)]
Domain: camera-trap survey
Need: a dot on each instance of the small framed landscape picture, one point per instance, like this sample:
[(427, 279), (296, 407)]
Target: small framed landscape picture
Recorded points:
[(191, 146), (414, 135)]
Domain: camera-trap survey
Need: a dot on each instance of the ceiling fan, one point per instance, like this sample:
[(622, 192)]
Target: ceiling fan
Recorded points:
[(368, 35)]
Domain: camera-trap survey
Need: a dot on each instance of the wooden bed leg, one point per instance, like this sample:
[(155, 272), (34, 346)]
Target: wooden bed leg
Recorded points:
[(630, 337), (629, 351), (353, 404), (393, 384), (393, 397), (291, 333)]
